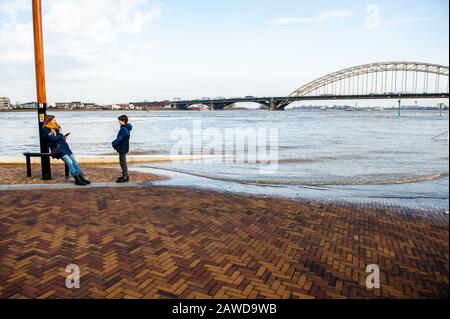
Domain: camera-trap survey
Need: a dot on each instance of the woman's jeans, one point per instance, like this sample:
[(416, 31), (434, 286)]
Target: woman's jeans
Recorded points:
[(72, 163)]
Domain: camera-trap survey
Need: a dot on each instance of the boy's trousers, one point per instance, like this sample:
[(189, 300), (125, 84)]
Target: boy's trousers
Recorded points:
[(123, 164)]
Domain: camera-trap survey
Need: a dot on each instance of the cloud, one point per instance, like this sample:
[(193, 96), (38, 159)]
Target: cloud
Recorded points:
[(9, 10), (138, 20), (90, 46), (374, 21), (412, 20), (323, 17), (17, 44), (71, 27)]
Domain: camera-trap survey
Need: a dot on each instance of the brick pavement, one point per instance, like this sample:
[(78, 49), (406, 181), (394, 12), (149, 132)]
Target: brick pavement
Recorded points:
[(169, 242), (16, 174)]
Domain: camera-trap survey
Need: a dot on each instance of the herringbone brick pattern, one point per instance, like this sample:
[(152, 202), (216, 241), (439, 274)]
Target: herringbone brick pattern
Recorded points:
[(16, 174), (167, 242)]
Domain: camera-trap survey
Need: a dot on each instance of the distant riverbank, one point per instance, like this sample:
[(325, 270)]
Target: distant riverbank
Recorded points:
[(78, 111), (306, 108)]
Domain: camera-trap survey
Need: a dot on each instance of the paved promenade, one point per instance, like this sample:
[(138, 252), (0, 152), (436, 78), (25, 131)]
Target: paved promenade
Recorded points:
[(171, 242), (16, 175)]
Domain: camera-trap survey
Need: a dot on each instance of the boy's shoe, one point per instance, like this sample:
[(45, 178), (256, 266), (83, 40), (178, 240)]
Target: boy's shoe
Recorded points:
[(79, 181), (122, 180)]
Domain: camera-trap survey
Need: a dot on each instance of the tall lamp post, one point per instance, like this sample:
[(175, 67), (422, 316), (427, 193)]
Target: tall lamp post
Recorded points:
[(40, 85)]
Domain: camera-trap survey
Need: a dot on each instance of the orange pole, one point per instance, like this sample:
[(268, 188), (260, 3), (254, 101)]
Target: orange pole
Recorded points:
[(39, 52), (40, 85)]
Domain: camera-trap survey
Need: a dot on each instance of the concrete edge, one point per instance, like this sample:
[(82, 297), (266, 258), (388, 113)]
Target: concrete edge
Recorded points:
[(112, 159)]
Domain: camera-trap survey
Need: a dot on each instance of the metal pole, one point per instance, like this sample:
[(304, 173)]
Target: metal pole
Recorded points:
[(406, 80), (396, 78), (417, 78), (392, 82), (40, 84), (399, 107), (357, 89), (367, 83), (376, 82), (438, 83), (353, 87)]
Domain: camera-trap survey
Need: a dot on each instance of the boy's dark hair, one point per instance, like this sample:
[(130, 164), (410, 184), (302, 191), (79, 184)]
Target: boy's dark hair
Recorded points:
[(124, 119)]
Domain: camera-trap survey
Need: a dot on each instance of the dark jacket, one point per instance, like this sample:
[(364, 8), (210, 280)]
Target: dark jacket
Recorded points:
[(122, 143), (57, 143)]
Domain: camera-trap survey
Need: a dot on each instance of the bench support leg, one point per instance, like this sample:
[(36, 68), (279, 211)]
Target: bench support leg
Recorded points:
[(28, 167), (46, 169), (66, 171)]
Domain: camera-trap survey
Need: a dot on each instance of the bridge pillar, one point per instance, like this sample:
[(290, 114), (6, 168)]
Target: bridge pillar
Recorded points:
[(275, 105)]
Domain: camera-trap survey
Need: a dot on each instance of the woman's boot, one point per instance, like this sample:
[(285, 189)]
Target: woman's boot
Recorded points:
[(79, 181), (88, 182)]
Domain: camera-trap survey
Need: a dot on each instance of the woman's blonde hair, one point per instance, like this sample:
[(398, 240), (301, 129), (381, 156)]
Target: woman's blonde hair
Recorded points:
[(48, 119)]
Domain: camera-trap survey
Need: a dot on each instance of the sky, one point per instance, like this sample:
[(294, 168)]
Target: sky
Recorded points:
[(119, 51)]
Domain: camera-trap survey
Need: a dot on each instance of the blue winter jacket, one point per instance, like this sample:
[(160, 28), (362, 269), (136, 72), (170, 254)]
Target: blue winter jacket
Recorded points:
[(122, 143), (57, 143)]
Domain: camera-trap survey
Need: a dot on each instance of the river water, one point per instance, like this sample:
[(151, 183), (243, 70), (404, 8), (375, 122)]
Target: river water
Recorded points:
[(356, 156)]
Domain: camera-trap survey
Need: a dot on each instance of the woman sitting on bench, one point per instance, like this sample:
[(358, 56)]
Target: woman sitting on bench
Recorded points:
[(52, 132)]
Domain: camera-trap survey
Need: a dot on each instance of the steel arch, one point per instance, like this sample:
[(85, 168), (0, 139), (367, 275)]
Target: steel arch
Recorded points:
[(368, 69)]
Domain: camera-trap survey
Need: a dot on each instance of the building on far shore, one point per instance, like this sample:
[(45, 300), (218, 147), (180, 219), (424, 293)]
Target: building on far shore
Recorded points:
[(76, 106), (68, 105), (149, 105), (5, 103), (120, 107), (90, 106), (141, 106), (28, 106)]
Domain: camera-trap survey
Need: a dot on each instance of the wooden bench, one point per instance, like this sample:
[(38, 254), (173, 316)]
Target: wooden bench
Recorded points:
[(41, 155)]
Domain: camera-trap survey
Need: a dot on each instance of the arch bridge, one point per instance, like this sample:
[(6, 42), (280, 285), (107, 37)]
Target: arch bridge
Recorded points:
[(385, 80)]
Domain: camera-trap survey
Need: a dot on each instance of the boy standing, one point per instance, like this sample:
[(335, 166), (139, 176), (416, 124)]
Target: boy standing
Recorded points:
[(122, 145)]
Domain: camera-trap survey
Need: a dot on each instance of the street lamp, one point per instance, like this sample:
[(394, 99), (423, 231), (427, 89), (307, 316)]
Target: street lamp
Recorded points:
[(40, 85)]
